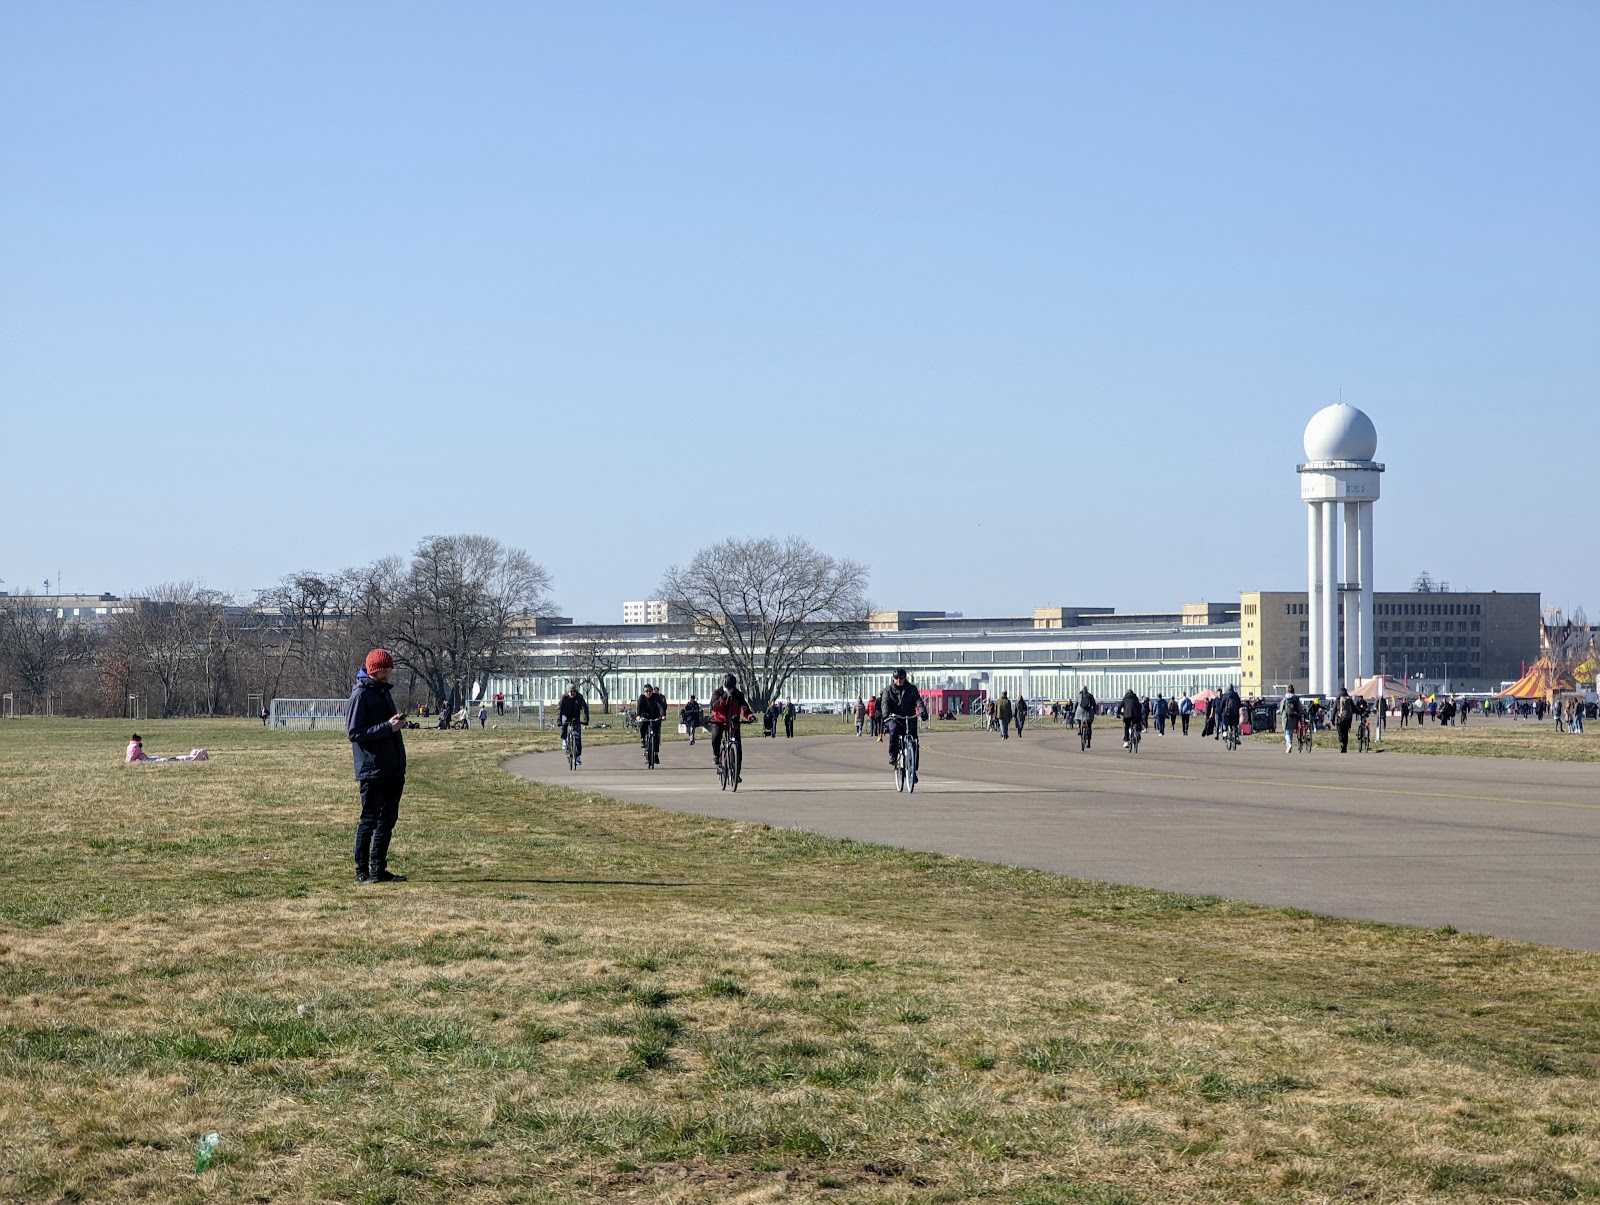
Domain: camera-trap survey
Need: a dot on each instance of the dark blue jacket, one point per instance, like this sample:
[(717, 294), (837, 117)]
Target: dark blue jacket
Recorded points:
[(379, 751)]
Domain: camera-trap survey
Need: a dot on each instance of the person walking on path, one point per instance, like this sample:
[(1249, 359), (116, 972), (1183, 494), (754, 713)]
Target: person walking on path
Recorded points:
[(788, 718), (1185, 710), (1344, 714), (861, 714), (1003, 713), (379, 753), (689, 716), (1160, 710), (1291, 718), (1020, 713)]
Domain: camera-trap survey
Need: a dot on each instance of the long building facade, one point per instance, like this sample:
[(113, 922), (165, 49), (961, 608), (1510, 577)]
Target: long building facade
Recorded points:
[(1048, 655), (1441, 640)]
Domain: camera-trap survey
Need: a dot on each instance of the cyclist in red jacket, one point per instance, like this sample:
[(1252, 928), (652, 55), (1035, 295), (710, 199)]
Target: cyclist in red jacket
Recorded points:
[(728, 708)]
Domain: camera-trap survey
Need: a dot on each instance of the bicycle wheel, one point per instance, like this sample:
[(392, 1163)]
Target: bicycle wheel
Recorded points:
[(910, 756), (574, 747), (736, 766), (900, 770), (650, 755), (723, 759), (1083, 737)]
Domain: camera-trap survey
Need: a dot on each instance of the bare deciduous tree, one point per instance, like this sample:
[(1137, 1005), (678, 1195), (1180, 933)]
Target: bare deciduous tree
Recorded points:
[(167, 633), (451, 614), (590, 662), (772, 606), (39, 643)]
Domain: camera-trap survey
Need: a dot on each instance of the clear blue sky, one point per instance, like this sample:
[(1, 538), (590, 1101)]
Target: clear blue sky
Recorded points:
[(290, 286)]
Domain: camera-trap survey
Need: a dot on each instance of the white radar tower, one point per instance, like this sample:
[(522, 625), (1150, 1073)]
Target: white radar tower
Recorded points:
[(1339, 473)]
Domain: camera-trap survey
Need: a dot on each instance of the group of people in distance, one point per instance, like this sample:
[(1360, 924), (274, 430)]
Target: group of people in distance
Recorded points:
[(374, 726)]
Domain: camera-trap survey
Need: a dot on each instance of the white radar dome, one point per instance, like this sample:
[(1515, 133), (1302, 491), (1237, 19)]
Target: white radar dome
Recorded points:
[(1341, 433)]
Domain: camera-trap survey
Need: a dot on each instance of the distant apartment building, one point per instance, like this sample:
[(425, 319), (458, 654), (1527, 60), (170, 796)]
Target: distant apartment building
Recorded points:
[(1447, 639), (652, 610)]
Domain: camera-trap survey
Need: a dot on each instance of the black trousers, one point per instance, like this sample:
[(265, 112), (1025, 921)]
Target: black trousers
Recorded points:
[(788, 725), (380, 808), (1344, 738)]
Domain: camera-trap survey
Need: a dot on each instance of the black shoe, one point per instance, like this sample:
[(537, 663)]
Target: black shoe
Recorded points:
[(363, 877), (386, 876)]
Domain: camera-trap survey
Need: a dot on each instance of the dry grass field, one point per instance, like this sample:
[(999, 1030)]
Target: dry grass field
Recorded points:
[(574, 999)]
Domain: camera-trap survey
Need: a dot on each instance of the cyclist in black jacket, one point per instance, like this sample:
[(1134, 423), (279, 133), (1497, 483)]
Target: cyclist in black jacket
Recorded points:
[(901, 705), (651, 711), (574, 710), (1132, 712)]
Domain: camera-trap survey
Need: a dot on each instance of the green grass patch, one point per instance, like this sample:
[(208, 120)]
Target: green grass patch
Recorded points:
[(579, 999)]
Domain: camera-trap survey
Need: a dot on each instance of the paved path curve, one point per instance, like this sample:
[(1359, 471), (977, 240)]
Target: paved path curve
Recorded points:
[(1510, 848)]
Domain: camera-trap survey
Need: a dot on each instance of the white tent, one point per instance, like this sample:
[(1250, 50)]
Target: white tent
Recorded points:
[(1382, 686)]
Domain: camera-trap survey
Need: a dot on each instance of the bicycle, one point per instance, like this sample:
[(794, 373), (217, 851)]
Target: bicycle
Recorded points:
[(652, 743), (1085, 735), (572, 742), (1132, 732), (1230, 737), (1364, 737), (1303, 736), (907, 761), (730, 759)]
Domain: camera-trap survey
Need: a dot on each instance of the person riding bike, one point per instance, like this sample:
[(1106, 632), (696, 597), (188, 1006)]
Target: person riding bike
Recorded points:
[(1231, 708), (1085, 715), (900, 705), (574, 710), (652, 709), (728, 709), (1131, 709)]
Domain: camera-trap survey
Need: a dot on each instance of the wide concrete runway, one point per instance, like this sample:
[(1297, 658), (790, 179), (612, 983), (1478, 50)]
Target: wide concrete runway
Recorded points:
[(1510, 848)]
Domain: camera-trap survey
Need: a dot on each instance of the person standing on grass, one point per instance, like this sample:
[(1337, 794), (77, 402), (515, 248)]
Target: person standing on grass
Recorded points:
[(379, 752), (788, 718)]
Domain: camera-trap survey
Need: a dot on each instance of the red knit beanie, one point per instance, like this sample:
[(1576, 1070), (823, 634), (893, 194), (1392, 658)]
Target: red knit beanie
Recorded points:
[(379, 659)]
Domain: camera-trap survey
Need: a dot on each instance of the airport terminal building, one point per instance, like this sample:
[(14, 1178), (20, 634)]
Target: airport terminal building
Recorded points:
[(1466, 641), (1048, 654)]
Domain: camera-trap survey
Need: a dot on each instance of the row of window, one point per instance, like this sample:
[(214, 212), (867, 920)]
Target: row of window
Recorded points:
[(1410, 642), (1300, 608)]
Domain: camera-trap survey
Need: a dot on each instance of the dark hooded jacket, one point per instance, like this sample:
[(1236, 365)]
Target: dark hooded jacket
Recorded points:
[(1132, 708), (378, 750), (899, 701)]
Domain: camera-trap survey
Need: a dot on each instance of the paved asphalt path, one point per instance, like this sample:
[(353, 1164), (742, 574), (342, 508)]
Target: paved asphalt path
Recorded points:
[(1510, 848)]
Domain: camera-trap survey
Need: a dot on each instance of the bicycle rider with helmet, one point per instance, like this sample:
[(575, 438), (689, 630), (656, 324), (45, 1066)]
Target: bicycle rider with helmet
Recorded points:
[(728, 708), (900, 706)]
